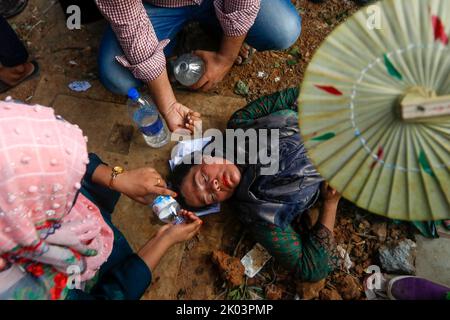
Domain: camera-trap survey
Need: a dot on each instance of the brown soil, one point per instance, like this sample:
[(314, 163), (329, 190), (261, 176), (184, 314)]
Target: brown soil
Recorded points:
[(230, 268), (310, 290), (274, 292), (349, 287), (330, 294), (318, 20), (360, 233)]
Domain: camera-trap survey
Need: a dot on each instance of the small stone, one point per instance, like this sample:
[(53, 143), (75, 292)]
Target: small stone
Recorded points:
[(32, 189), (399, 258), (77, 185), (329, 294), (310, 290), (241, 88), (17, 131), (262, 75), (231, 268), (53, 162), (349, 287), (274, 292), (37, 108)]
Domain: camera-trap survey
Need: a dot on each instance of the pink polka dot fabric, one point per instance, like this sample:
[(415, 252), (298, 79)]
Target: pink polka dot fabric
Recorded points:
[(42, 162)]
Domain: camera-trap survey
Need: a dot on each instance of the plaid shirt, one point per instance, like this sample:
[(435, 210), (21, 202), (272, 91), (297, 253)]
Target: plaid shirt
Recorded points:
[(144, 55)]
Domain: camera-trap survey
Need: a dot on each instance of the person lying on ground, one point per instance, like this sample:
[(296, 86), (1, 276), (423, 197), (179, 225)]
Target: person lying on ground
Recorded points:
[(57, 238), (14, 65), (269, 205), (142, 34)]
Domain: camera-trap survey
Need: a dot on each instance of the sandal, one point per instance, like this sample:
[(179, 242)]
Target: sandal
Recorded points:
[(5, 87), (11, 8)]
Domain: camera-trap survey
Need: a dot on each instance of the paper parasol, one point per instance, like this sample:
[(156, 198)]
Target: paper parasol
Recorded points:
[(358, 90)]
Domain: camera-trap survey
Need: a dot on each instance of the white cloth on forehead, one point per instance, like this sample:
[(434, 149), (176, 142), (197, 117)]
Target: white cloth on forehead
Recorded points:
[(184, 148)]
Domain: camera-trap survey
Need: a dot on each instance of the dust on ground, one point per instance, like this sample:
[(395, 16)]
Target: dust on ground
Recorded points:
[(357, 232)]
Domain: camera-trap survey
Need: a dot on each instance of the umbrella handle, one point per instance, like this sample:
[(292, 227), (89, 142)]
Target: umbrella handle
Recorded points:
[(413, 107)]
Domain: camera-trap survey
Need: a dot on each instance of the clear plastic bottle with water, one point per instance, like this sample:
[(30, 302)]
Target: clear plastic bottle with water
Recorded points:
[(188, 69), (167, 209), (145, 114)]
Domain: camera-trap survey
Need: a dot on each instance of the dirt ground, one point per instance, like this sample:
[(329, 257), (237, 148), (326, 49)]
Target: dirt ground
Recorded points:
[(359, 233)]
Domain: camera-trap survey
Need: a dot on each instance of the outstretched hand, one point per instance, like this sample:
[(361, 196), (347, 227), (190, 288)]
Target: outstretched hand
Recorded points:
[(180, 117), (176, 233), (142, 185)]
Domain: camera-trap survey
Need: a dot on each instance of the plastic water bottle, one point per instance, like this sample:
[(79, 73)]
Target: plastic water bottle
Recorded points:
[(145, 114), (167, 209), (188, 69)]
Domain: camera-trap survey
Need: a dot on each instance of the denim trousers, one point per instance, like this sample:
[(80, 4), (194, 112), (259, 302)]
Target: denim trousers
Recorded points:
[(277, 27)]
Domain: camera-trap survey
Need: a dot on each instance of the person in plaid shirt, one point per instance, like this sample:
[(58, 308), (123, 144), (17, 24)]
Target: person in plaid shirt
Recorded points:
[(142, 34)]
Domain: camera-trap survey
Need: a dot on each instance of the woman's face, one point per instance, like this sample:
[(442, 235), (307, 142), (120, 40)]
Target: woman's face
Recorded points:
[(211, 182)]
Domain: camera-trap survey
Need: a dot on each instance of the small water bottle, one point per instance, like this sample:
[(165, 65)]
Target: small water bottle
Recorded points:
[(188, 69), (145, 114), (166, 209)]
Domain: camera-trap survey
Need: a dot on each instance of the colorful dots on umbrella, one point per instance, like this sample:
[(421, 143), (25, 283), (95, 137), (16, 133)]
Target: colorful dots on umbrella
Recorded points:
[(380, 154), (324, 137), (425, 164), (391, 68), (439, 30), (329, 89)]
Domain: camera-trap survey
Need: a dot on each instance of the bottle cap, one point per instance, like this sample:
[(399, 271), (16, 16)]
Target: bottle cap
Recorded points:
[(133, 94)]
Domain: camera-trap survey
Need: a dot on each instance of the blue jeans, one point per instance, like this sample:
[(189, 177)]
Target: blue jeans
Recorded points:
[(277, 27)]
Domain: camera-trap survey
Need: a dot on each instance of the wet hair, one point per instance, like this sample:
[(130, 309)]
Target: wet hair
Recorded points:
[(177, 176)]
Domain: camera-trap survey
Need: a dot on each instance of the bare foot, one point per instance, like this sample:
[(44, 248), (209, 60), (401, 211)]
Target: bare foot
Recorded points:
[(14, 75)]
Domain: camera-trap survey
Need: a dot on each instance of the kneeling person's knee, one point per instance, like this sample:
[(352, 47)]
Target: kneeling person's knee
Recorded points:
[(286, 32)]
